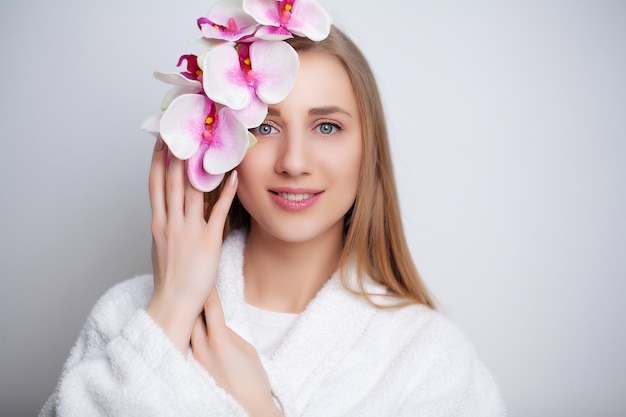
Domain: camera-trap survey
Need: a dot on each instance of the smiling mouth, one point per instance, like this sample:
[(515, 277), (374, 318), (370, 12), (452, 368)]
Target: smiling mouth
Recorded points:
[(296, 200), (295, 197)]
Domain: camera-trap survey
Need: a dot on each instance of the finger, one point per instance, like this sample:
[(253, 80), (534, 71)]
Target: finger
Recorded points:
[(194, 203), (214, 315), (156, 184), (198, 334), (156, 262), (219, 212), (241, 342), (175, 189), (200, 343)]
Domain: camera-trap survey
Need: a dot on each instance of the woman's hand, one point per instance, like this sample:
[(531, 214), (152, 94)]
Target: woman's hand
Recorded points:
[(233, 362), (185, 247)]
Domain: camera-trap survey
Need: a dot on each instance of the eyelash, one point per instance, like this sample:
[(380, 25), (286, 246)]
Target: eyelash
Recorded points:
[(334, 125), (257, 130)]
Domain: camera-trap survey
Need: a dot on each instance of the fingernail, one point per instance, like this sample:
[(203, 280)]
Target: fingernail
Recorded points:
[(232, 180), (158, 145)]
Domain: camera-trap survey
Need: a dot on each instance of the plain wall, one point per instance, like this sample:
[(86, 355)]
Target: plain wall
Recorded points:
[(507, 121)]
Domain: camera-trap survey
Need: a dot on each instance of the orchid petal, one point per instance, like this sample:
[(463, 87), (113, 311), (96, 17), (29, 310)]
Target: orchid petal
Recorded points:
[(183, 124), (183, 85), (224, 10), (151, 124), (176, 78), (263, 11), (273, 33), (230, 15), (223, 79), (208, 43), (210, 32), (254, 114), (275, 65), (176, 92), (198, 177), (310, 19), (307, 18), (228, 146), (248, 39)]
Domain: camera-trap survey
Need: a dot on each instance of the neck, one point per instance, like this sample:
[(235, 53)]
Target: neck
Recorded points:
[(285, 276)]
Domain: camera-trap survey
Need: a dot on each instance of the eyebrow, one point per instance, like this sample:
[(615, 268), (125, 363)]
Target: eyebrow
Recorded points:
[(324, 111), (317, 111)]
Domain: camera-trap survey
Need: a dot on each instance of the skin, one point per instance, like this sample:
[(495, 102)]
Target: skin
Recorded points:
[(298, 153), (310, 141)]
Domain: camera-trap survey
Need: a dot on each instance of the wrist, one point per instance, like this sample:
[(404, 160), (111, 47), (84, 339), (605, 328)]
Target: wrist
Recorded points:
[(175, 320)]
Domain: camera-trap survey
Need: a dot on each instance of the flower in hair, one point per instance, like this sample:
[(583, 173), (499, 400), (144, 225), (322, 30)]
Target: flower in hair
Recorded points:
[(184, 82), (250, 76), (281, 19), (228, 21), (225, 90), (213, 141)]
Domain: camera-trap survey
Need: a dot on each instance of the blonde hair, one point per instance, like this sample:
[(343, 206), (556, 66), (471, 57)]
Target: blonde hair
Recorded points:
[(374, 240)]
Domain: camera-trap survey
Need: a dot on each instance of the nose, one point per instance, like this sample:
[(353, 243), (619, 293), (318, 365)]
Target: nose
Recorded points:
[(293, 155)]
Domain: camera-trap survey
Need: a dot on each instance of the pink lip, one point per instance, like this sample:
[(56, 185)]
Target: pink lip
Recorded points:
[(292, 205)]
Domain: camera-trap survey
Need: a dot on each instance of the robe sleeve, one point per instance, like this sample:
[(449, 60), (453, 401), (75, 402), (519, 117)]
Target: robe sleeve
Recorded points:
[(123, 364)]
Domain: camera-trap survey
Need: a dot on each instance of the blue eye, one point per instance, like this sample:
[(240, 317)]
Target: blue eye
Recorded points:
[(264, 129), (327, 128)]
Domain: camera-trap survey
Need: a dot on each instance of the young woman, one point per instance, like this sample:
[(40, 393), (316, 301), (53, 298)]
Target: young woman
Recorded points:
[(310, 306)]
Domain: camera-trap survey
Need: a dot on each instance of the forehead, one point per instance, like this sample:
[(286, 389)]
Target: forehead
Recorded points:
[(322, 81)]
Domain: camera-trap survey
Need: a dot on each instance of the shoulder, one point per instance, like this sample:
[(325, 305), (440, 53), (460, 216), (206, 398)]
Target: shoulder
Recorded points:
[(427, 326), (413, 324), (423, 326), (427, 337), (442, 360)]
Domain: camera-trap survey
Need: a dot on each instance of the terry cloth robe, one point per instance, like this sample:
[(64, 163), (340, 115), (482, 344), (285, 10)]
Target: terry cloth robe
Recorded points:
[(342, 357)]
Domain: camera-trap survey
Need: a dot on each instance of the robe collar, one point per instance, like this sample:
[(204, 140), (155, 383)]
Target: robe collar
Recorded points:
[(320, 338)]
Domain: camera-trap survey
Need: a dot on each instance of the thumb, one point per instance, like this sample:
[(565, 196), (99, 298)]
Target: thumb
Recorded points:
[(219, 212), (214, 315)]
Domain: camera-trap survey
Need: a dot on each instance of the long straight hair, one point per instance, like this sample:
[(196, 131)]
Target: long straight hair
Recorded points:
[(374, 240)]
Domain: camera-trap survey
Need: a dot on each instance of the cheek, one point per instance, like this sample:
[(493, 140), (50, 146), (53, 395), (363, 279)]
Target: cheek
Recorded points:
[(346, 167), (252, 164), (353, 161), (248, 171)]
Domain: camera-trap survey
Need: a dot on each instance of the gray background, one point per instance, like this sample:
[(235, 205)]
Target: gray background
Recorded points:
[(507, 119)]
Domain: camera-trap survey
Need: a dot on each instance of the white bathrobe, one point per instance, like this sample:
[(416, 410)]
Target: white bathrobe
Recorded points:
[(342, 357)]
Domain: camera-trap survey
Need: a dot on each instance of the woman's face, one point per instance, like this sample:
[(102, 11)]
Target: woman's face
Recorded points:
[(301, 177)]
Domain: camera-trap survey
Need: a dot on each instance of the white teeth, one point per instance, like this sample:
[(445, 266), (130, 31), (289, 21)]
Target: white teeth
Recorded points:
[(295, 197)]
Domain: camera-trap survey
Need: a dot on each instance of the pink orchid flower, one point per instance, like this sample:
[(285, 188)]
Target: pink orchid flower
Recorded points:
[(213, 142), (184, 82), (248, 77), (281, 19), (227, 20)]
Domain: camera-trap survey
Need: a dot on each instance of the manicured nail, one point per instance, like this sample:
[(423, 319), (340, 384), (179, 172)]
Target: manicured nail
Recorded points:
[(158, 145), (232, 180)]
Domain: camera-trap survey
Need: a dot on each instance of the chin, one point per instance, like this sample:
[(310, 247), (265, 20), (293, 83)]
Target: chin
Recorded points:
[(303, 232)]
